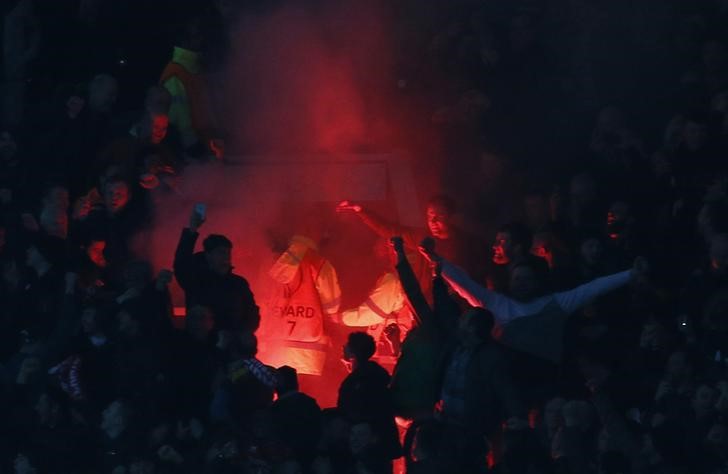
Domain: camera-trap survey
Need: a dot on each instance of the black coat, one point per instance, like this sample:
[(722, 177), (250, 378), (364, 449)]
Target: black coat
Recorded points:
[(228, 296), (297, 420), (364, 396), (490, 396)]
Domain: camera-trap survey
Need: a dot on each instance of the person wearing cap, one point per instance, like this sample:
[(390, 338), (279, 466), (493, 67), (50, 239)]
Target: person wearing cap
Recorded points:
[(208, 280)]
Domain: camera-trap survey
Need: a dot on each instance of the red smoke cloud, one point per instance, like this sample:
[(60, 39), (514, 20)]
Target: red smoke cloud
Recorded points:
[(311, 79)]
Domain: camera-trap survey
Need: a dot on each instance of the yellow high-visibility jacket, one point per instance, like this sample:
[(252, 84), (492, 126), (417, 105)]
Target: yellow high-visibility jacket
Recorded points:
[(292, 329)]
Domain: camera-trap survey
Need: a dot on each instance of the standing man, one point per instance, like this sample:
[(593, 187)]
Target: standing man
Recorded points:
[(208, 280), (305, 297), (512, 244), (385, 312), (440, 214), (191, 111)]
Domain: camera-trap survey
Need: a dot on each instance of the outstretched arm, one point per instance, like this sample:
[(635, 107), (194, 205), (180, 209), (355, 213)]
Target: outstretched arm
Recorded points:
[(572, 300), (383, 300), (475, 294), (379, 225)]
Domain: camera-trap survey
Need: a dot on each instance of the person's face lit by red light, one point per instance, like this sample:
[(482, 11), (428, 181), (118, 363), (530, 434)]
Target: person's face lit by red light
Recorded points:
[(502, 249), (160, 123), (542, 248), (219, 260), (116, 196), (439, 221), (617, 217), (95, 253)]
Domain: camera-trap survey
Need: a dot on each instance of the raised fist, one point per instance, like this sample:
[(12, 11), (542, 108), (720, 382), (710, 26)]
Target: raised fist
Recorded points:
[(196, 220), (397, 244)]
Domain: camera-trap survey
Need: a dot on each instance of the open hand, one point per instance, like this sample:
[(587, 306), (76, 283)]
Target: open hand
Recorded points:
[(348, 206)]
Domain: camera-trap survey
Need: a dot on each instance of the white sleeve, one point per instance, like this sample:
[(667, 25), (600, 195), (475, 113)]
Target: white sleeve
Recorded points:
[(572, 300), (466, 287), (386, 298)]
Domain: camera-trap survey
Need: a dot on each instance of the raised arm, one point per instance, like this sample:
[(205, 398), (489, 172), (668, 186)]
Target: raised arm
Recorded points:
[(379, 225), (580, 296), (410, 284), (184, 268), (251, 312)]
